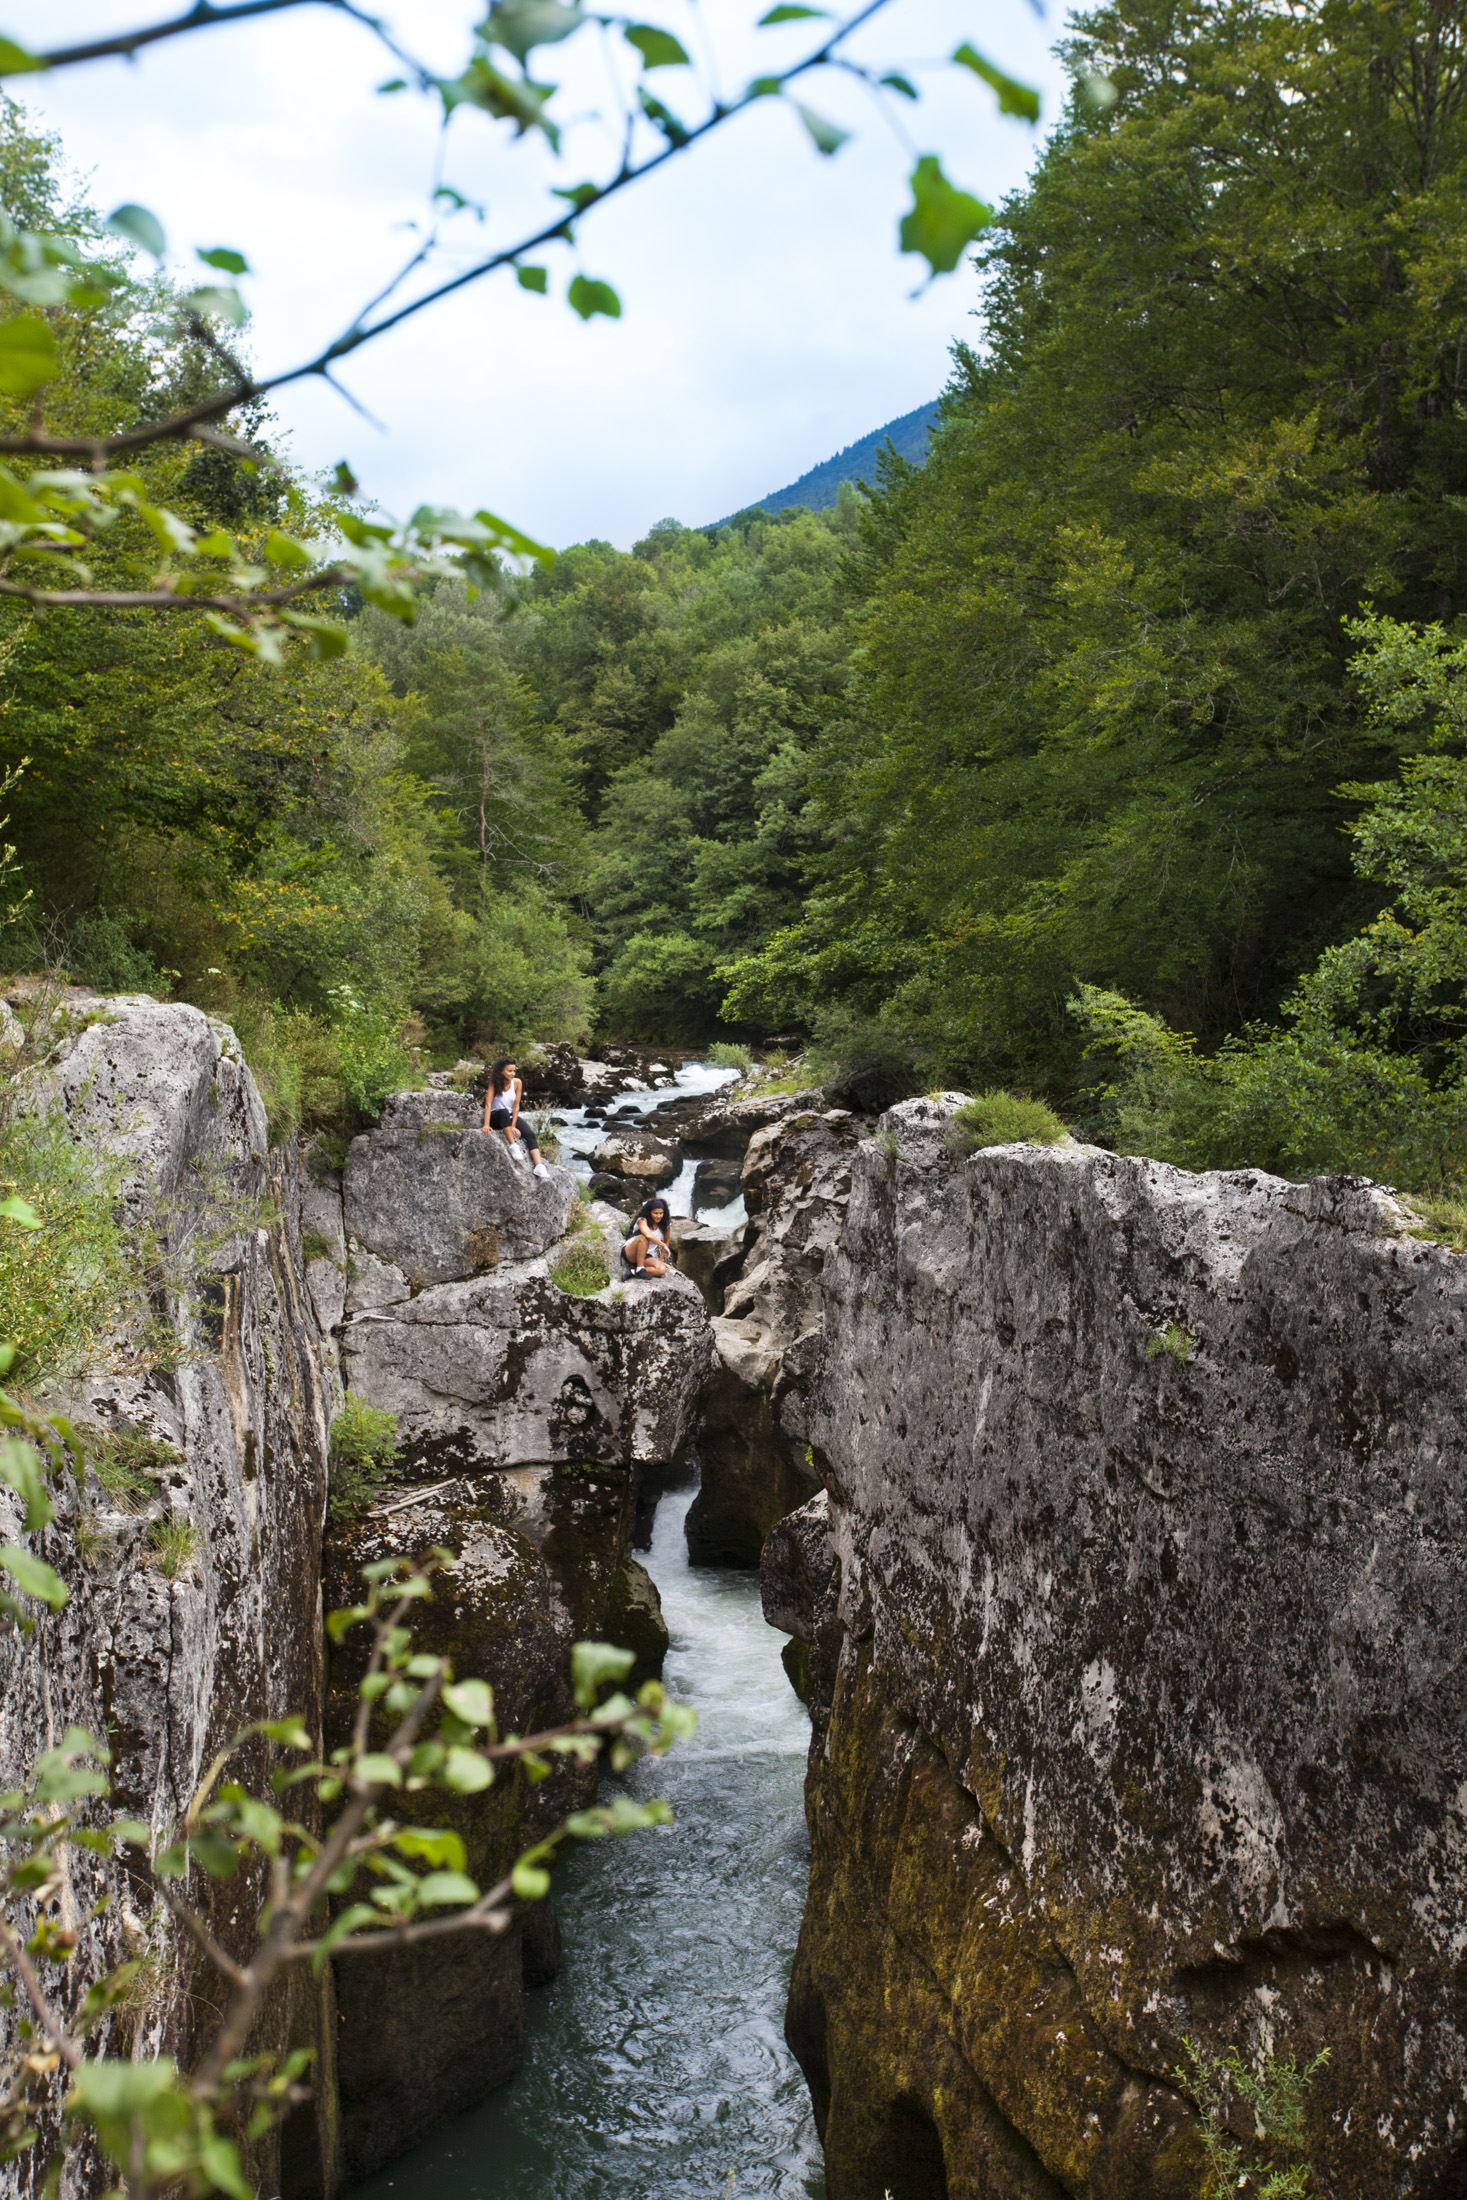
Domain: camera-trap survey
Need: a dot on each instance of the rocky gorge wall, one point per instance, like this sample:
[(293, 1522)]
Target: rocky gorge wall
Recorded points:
[(1134, 1603), (528, 1420)]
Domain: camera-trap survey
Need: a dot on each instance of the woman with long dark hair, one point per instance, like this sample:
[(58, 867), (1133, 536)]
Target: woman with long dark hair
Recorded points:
[(502, 1113), (648, 1251)]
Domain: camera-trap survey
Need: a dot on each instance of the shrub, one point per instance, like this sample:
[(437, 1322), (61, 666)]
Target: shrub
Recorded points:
[(316, 1245), (1004, 1119), (582, 1270), (362, 1457), (727, 1054)]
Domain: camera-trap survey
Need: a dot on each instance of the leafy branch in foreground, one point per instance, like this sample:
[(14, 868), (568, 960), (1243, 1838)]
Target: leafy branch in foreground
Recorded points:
[(48, 518), (326, 1832)]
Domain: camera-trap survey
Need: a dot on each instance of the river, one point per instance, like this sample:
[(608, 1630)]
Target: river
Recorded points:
[(655, 2066)]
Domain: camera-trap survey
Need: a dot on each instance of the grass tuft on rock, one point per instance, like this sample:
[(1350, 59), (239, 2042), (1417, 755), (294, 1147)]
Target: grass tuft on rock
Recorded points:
[(1005, 1119), (173, 1545), (581, 1270)]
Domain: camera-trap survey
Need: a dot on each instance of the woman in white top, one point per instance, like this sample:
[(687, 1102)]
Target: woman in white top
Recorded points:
[(648, 1251), (502, 1112)]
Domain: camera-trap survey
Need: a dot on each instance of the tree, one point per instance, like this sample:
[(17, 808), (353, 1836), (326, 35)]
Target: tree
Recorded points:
[(1104, 705)]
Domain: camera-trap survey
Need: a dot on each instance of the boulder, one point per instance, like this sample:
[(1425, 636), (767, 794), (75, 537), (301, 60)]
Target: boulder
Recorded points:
[(507, 1368), (644, 1161), (700, 1254), (428, 1192), (1145, 1490)]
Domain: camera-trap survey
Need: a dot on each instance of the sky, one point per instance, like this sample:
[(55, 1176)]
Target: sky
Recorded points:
[(768, 317)]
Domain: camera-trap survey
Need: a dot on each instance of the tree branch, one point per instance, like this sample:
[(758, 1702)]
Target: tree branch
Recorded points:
[(201, 17), (169, 599)]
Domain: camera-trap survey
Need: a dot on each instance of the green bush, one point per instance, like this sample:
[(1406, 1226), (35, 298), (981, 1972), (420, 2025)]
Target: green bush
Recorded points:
[(582, 1269), (727, 1054), (1004, 1119), (362, 1457)]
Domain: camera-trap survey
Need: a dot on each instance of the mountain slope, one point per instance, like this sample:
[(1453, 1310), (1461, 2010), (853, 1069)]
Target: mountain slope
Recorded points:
[(857, 462)]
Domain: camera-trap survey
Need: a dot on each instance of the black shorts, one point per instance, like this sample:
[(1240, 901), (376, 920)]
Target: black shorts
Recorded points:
[(503, 1122)]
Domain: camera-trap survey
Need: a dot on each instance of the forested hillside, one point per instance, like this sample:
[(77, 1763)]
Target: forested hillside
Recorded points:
[(1114, 756)]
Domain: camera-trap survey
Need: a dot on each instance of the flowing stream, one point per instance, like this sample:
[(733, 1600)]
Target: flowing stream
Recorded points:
[(655, 2065)]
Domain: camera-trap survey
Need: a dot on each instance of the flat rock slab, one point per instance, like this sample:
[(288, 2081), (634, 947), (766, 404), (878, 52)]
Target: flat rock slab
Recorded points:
[(431, 1194)]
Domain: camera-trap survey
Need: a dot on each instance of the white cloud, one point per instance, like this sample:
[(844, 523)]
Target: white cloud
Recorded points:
[(767, 316)]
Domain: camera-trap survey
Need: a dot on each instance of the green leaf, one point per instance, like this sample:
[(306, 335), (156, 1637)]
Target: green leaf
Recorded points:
[(662, 118), (471, 1701), (16, 1209), (34, 1576), (285, 550), (466, 1772), (327, 638), (943, 221), (659, 49), (358, 1913), (765, 87), (20, 1471), (435, 1844), (587, 296), (788, 15), (227, 261), (28, 355), (379, 1767), (290, 1733), (344, 481), (901, 84), (529, 1881), (1013, 99), (447, 1887), (532, 278), (521, 25), (827, 135), (220, 1858), (136, 223), (16, 60), (593, 1664), (226, 303), (510, 99), (116, 2091)]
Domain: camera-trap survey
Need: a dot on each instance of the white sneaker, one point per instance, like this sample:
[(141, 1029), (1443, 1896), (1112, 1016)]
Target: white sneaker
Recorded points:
[(540, 1170)]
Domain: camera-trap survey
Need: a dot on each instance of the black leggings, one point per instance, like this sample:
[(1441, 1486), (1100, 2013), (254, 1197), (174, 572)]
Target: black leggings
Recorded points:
[(503, 1123)]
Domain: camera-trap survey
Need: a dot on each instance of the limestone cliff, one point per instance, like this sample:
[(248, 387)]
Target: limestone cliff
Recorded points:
[(1135, 1613), (214, 1373)]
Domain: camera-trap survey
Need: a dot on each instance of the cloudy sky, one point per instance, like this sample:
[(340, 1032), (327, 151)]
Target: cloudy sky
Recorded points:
[(768, 315)]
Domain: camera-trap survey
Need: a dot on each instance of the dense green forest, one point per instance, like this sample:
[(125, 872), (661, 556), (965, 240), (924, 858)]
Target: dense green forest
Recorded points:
[(1114, 756)]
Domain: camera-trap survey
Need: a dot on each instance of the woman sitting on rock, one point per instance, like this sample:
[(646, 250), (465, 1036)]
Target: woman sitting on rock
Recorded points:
[(648, 1251), (502, 1112)]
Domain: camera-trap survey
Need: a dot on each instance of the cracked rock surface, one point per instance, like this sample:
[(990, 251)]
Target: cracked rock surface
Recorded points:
[(1135, 1622)]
